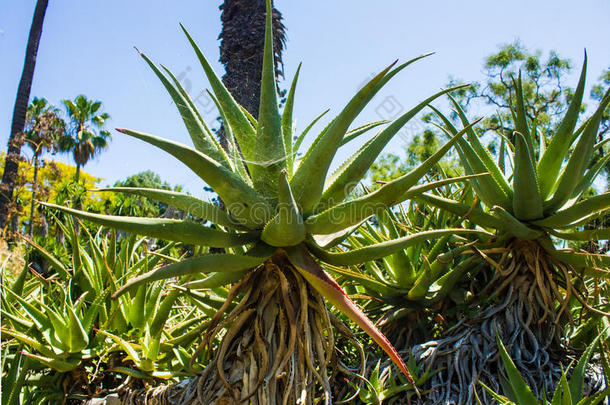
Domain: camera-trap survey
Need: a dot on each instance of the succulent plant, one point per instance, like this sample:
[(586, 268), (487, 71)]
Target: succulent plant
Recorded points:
[(533, 209), (54, 318), (283, 214), (568, 391)]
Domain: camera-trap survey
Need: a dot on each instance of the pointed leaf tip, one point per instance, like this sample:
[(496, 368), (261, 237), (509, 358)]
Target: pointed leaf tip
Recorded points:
[(329, 289)]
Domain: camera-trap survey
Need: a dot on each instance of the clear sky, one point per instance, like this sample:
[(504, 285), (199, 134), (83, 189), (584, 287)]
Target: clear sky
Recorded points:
[(87, 47)]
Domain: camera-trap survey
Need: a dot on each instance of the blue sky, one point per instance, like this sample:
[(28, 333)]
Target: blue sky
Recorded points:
[(87, 47)]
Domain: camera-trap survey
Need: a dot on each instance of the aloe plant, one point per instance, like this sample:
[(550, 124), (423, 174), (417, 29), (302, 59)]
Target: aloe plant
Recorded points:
[(62, 326), (284, 213), (411, 286), (534, 207), (569, 390)]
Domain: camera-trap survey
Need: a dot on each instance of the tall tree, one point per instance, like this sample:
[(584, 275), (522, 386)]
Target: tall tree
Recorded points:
[(241, 49), (19, 113), (44, 127), (86, 135)]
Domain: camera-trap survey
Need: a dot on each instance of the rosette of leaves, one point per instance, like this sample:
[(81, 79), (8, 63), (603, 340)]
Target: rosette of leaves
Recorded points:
[(410, 287), (535, 200), (65, 328), (283, 215)]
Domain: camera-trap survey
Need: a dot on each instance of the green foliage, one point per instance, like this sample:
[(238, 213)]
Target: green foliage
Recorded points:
[(544, 91), (44, 127), (64, 319), (86, 135), (544, 199), (273, 208), (568, 391), (126, 204)]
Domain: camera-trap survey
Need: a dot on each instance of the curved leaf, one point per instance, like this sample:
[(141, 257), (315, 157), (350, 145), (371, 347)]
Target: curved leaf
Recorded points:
[(269, 155), (287, 227), (527, 202), (308, 181), (222, 262), (241, 200), (184, 202), (575, 213), (557, 150), (382, 249), (167, 229), (239, 122), (342, 182), (287, 124), (354, 211), (329, 288)]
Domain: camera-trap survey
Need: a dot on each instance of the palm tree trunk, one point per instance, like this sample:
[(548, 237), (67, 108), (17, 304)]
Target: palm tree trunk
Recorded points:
[(242, 42), (77, 176), (34, 188), (11, 164)]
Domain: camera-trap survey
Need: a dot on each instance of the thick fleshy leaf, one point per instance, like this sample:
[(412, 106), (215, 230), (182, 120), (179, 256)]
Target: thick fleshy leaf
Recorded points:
[(79, 338), (527, 202), (31, 307), (444, 284), (589, 178), (333, 239), (521, 116), (577, 378), (400, 264), (383, 249), (301, 137), (132, 354), (239, 122), (235, 156), (199, 132), (57, 364), (34, 343), (222, 262), (216, 280), (166, 229), (329, 288), (308, 181), (579, 160), (582, 260), (356, 132), (513, 226), (192, 205), (436, 270), (481, 151), (518, 384), (414, 191), (586, 235), (368, 282), (354, 211), (287, 227), (61, 269), (557, 150), (473, 213), (343, 181), (269, 156), (487, 188), (287, 123), (213, 145), (577, 212), (241, 200), (502, 156)]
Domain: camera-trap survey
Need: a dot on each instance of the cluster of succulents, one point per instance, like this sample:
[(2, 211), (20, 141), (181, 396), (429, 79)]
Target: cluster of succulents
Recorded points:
[(260, 264)]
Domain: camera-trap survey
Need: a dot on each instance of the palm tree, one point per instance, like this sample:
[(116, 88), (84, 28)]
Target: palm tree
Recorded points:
[(86, 136), (43, 129), (241, 50), (11, 164)]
